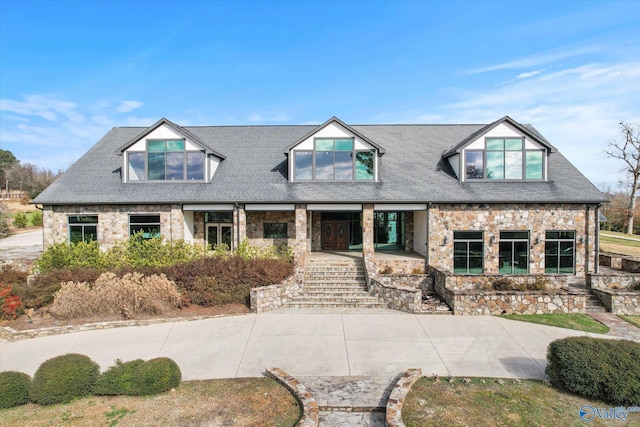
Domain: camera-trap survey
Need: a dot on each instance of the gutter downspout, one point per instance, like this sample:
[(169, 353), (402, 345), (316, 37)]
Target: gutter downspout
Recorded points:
[(597, 260), (427, 243), (237, 209), (586, 242)]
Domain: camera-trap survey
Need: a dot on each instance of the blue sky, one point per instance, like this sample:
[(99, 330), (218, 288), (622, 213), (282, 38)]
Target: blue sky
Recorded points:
[(70, 69)]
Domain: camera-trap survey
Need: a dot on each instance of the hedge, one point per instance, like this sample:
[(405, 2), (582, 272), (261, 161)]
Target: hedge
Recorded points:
[(14, 389), (64, 378)]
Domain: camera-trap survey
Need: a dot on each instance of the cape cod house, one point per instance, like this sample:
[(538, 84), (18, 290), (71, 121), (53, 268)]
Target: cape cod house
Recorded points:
[(494, 199)]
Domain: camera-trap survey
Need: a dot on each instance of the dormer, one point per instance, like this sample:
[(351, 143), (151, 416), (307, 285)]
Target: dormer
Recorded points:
[(168, 152), (334, 152), (502, 151)]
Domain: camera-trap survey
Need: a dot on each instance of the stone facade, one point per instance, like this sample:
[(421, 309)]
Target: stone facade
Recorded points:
[(400, 266), (444, 219), (619, 302), (403, 298), (255, 228), (267, 298), (611, 260), (113, 221), (612, 280)]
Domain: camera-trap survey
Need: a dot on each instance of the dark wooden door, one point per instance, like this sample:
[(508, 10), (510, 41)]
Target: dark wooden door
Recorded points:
[(335, 235)]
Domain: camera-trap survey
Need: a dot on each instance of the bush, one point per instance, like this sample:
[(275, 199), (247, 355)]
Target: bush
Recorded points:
[(72, 256), (20, 220), (139, 378), (63, 378), (14, 389), (119, 379), (596, 368), (36, 218), (127, 296), (45, 285), (11, 275), (157, 376), (10, 304)]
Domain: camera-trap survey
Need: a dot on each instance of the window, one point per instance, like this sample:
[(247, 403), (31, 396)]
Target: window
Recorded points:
[(83, 228), (220, 217), (166, 160), (274, 230), (504, 159), (468, 252), (559, 252), (334, 160), (389, 230), (148, 225), (514, 252)]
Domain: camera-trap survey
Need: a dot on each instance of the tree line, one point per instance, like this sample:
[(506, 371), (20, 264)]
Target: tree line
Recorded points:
[(26, 178)]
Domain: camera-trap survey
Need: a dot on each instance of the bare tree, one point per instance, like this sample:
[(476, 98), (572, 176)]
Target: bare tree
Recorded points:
[(629, 152)]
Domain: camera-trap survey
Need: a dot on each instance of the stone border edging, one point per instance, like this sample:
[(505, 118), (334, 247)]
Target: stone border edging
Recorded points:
[(310, 410), (10, 334), (399, 393)]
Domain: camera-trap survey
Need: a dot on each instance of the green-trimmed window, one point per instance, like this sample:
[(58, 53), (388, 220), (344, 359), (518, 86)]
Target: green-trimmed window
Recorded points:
[(468, 252), (83, 228), (334, 159), (166, 160), (274, 230), (514, 252), (504, 159), (559, 252), (148, 225)]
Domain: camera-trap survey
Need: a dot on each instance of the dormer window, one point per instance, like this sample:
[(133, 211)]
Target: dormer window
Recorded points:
[(165, 160), (504, 159), (334, 159)]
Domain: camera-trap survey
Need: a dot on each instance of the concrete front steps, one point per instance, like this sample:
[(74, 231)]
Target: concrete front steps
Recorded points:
[(335, 283), (593, 304)]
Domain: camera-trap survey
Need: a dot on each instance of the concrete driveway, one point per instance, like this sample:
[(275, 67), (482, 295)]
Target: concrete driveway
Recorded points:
[(312, 343), (23, 245)]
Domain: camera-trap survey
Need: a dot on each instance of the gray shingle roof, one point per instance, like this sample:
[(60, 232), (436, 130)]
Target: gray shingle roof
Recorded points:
[(255, 170)]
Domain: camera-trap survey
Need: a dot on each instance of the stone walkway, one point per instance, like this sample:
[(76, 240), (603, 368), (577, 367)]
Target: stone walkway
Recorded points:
[(351, 401), (618, 327)]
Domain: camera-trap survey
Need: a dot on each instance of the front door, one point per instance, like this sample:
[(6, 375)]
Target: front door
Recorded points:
[(335, 235), (219, 234)]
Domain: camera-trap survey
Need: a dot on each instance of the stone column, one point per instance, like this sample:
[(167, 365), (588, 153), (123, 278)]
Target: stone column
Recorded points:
[(367, 230), (239, 225), (300, 247), (177, 223)]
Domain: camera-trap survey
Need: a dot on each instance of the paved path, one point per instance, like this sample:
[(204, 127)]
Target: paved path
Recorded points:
[(617, 327), (24, 245), (334, 343)]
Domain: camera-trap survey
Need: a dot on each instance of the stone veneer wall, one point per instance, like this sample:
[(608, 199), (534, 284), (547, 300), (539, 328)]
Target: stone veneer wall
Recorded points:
[(472, 301), (611, 260), (255, 228), (400, 266), (619, 302), (612, 280), (267, 298), (113, 221), (492, 218), (401, 292)]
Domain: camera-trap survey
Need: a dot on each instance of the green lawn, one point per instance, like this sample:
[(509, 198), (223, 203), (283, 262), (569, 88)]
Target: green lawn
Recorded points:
[(493, 402), (579, 322), (634, 320)]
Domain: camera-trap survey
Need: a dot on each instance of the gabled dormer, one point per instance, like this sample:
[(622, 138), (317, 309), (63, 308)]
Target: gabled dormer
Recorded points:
[(334, 151), (168, 152), (501, 151)]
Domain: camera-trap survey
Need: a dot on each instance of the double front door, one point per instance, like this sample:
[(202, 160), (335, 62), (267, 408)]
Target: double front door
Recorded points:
[(219, 234), (335, 235)]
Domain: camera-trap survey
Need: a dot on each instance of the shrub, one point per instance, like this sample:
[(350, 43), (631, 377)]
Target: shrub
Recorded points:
[(40, 292), (502, 284), (127, 296), (63, 378), (386, 270), (36, 218), (11, 275), (119, 379), (20, 220), (10, 304), (596, 368), (418, 270), (72, 256), (156, 376), (14, 389), (4, 221)]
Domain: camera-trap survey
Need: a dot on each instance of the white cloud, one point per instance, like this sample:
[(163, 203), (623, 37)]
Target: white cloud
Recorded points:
[(528, 74), (48, 108), (538, 59), (257, 118), (128, 106)]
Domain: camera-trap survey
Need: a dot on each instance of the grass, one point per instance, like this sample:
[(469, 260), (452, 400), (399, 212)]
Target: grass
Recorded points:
[(579, 322), (237, 402), (634, 320), (620, 243), (486, 402)]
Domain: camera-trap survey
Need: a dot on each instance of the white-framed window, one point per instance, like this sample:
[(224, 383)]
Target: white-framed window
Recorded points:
[(334, 159), (504, 159), (166, 160)]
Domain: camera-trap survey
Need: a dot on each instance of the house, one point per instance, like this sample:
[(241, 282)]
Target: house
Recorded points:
[(469, 199)]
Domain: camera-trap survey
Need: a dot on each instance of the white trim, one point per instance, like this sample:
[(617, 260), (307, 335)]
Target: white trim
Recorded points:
[(269, 207), (334, 207), (389, 207), (210, 207)]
